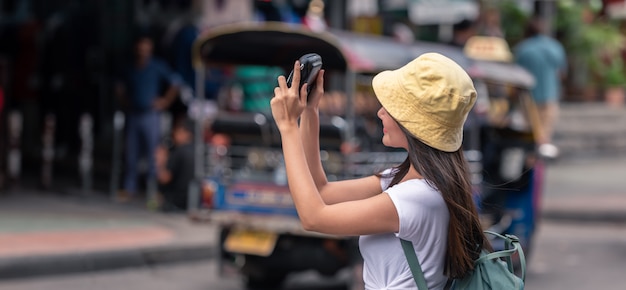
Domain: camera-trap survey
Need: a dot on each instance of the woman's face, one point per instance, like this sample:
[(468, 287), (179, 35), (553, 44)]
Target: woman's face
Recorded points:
[(393, 136)]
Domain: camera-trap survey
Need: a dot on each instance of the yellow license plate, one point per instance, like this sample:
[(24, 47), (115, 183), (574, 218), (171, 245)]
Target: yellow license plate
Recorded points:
[(250, 242)]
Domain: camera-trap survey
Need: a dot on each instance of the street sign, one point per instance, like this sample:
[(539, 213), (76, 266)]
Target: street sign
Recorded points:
[(488, 48)]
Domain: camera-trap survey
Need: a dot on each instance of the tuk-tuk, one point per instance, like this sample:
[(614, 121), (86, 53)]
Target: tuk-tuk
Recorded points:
[(260, 235)]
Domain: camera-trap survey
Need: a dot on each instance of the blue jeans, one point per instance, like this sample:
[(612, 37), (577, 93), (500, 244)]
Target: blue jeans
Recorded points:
[(142, 139)]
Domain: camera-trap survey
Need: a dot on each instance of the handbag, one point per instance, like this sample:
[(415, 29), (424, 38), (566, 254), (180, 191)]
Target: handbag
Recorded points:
[(490, 272)]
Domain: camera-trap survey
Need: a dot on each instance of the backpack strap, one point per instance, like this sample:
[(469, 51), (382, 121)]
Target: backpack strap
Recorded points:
[(511, 245), (414, 264)]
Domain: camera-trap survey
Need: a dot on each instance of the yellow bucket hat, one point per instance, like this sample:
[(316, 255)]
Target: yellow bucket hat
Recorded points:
[(430, 97)]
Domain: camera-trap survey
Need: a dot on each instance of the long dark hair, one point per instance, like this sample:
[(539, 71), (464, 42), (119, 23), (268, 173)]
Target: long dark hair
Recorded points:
[(448, 172)]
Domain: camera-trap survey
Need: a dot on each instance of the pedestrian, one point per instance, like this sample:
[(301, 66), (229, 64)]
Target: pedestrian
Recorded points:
[(544, 57), (175, 167), (426, 200), (140, 90)]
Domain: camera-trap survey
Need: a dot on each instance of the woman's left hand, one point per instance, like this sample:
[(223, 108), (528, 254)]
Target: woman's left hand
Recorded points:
[(287, 103)]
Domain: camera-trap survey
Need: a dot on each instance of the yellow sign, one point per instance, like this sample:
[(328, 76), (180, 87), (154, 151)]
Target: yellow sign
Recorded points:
[(488, 48), (251, 242)]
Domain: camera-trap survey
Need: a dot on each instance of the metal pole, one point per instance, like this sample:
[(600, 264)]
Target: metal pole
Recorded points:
[(118, 131), (195, 186), (350, 112), (14, 158), (338, 11), (47, 151), (85, 159), (2, 150), (349, 130)]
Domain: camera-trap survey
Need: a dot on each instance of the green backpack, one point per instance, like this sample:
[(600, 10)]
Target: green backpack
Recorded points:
[(490, 272)]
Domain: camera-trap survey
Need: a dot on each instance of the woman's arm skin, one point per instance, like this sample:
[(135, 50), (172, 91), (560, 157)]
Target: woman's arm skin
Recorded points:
[(331, 192), (310, 132), (376, 214), (350, 189)]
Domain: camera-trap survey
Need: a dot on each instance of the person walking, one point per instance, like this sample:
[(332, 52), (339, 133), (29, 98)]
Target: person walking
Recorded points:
[(426, 200), (544, 57), (140, 89)]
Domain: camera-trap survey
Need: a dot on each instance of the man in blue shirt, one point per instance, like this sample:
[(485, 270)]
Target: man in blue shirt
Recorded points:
[(544, 57), (140, 90)]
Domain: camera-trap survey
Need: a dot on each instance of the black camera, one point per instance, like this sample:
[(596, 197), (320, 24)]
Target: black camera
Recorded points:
[(310, 65)]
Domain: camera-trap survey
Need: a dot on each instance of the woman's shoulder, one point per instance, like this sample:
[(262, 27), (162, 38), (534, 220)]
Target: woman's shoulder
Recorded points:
[(414, 183), (416, 190)]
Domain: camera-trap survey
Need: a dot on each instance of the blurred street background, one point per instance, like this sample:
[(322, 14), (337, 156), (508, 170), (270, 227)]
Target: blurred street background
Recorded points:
[(73, 217)]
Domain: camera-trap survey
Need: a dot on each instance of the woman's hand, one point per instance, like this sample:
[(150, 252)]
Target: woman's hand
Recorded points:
[(313, 100), (287, 103)]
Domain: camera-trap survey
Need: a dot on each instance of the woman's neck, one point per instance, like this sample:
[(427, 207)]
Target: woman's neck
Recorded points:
[(412, 174)]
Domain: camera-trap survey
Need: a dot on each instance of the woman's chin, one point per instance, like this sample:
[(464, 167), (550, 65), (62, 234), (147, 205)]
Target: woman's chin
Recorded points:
[(388, 144)]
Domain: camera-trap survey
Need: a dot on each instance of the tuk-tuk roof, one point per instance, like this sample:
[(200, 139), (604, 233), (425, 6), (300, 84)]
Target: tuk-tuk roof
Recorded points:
[(455, 53), (502, 72), (280, 44), (491, 71)]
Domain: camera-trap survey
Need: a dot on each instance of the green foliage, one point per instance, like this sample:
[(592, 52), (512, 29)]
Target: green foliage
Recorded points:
[(602, 44), (568, 24), (598, 44), (513, 21), (614, 74)]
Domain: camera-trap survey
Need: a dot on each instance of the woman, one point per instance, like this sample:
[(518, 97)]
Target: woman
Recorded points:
[(426, 200)]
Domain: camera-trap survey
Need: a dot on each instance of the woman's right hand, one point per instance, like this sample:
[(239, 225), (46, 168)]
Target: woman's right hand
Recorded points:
[(313, 100)]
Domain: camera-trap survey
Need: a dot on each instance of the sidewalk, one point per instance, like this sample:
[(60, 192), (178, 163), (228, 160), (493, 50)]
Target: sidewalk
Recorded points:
[(586, 189), (45, 233)]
